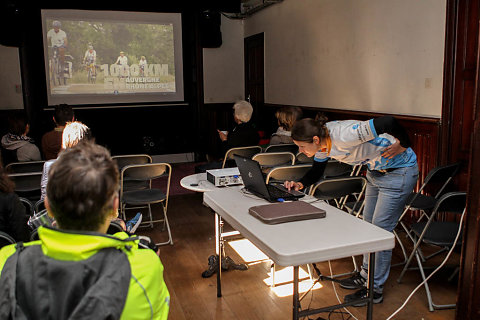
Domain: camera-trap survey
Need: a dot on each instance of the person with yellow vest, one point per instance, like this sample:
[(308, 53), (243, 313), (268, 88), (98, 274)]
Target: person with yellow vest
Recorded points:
[(75, 270)]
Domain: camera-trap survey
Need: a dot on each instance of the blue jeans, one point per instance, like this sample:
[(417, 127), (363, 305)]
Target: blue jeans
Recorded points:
[(385, 199)]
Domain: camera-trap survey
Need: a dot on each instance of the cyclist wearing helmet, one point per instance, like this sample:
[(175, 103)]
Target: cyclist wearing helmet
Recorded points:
[(57, 36), (90, 56), (142, 64)]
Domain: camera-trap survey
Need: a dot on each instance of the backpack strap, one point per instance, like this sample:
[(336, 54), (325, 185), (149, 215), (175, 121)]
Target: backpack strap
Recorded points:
[(8, 299)]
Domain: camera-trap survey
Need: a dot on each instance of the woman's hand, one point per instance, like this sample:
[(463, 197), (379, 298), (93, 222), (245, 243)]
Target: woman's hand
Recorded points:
[(297, 186), (222, 135), (393, 150)]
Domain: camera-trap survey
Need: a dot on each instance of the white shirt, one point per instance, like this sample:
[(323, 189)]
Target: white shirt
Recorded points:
[(357, 142), (90, 56), (142, 62), (57, 38), (123, 61)]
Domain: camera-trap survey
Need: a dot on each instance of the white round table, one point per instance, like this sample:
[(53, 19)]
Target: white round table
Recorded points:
[(197, 182)]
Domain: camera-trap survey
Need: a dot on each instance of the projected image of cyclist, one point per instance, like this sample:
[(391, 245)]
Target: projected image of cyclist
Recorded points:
[(58, 39), (142, 64), (89, 61), (122, 60)]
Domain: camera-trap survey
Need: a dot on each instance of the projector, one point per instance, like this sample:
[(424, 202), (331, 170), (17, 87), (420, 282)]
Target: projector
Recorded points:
[(224, 177)]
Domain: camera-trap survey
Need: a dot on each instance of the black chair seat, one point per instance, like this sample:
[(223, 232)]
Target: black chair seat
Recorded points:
[(438, 233), (141, 197)]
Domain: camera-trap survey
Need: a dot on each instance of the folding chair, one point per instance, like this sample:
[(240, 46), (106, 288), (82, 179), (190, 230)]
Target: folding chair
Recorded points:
[(336, 168), (437, 233), (128, 159), (270, 160), (435, 182), (24, 167), (339, 190), (301, 158), (146, 197), (5, 239), (39, 206), (284, 173), (247, 152), (286, 147), (27, 185)]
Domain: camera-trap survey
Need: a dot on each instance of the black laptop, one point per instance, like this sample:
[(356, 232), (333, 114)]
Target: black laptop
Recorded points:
[(254, 182)]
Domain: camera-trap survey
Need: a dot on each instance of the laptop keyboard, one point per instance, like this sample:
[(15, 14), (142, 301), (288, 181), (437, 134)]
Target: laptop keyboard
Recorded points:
[(277, 193)]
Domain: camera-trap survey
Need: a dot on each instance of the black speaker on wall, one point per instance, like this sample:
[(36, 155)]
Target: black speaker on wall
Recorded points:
[(210, 33)]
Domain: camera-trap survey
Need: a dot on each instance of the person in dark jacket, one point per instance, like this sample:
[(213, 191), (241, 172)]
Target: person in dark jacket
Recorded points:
[(13, 216), (244, 133)]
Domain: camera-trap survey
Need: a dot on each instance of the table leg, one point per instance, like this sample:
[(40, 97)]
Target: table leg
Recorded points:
[(219, 249), (296, 302), (371, 272)]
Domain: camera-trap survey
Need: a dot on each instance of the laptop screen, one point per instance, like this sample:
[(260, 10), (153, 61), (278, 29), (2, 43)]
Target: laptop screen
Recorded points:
[(252, 176)]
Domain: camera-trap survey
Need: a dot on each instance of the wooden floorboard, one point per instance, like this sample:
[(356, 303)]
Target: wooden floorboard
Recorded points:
[(247, 296)]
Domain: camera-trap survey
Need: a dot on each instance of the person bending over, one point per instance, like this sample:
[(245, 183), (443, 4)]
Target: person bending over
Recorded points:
[(77, 271), (381, 144)]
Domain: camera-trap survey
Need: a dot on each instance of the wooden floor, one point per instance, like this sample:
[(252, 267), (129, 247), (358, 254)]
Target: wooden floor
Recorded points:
[(247, 296)]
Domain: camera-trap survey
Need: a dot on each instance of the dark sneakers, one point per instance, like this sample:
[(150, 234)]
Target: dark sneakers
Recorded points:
[(354, 282), (362, 293)]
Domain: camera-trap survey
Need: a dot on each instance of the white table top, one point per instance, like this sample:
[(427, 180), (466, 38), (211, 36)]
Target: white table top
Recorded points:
[(197, 182), (338, 235)]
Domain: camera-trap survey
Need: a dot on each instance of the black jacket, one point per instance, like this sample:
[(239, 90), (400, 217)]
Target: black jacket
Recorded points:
[(243, 135), (13, 217)]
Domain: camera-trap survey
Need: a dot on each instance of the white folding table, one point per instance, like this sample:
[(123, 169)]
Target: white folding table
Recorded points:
[(336, 236)]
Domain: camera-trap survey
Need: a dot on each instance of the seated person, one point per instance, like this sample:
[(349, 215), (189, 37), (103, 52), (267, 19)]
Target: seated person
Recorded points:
[(52, 140), (243, 134), (13, 215), (16, 145), (77, 271), (73, 133), (286, 117)]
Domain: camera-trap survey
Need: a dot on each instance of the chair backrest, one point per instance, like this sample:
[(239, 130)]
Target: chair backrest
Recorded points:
[(39, 205), (27, 185), (127, 159), (28, 205), (24, 167), (336, 168), (281, 174), (274, 159), (440, 177), (335, 188), (146, 172), (453, 202), (301, 158), (286, 147), (247, 152), (5, 239)]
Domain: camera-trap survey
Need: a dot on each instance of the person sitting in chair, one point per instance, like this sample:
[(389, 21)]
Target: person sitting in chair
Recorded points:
[(78, 271), (52, 140)]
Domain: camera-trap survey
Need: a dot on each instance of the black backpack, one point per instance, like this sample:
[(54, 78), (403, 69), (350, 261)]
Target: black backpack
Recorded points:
[(35, 286)]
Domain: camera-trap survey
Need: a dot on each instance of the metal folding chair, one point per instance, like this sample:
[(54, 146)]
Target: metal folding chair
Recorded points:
[(247, 152), (151, 195), (438, 233), (286, 147)]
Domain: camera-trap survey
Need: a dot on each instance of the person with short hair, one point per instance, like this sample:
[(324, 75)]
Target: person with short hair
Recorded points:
[(16, 145), (244, 134), (52, 140), (76, 270), (286, 118), (72, 134)]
